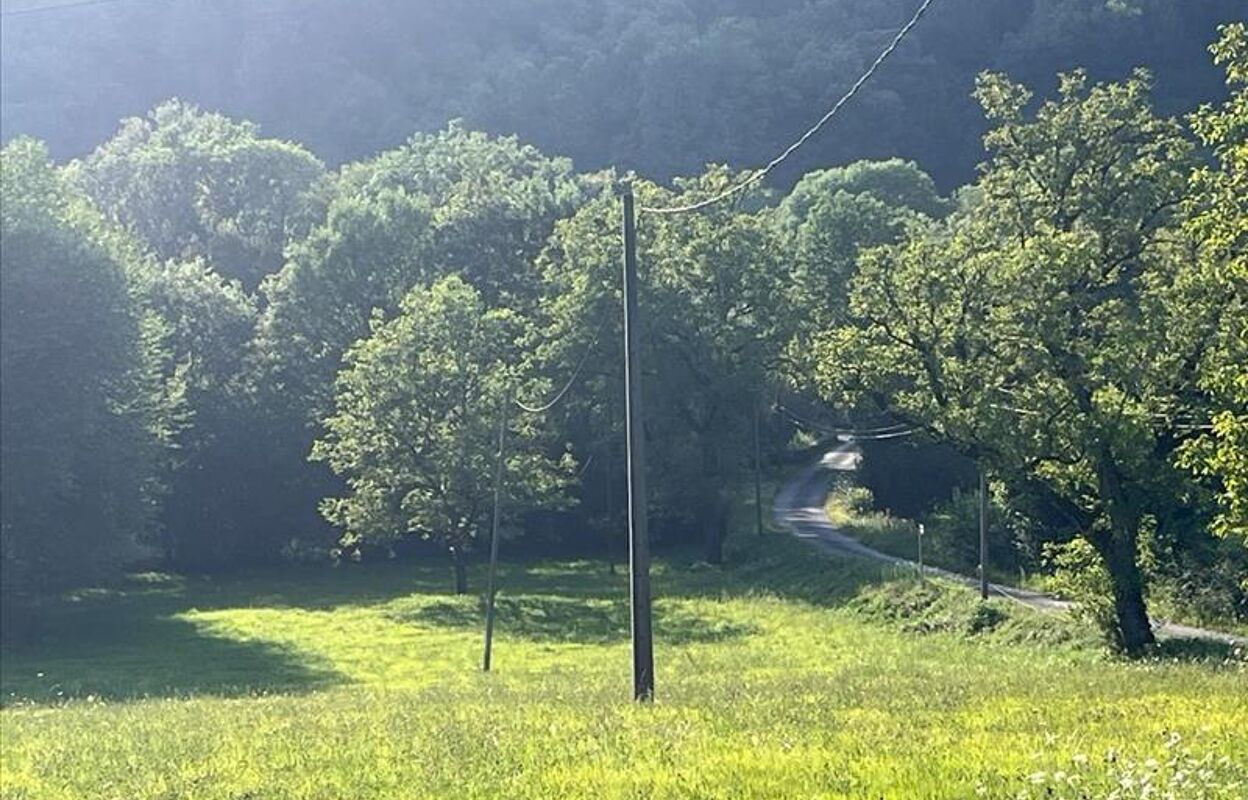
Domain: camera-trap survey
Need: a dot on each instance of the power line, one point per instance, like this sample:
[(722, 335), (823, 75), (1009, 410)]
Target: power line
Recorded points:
[(758, 175), (29, 10), (575, 374), (875, 438), (585, 467), (829, 428), (555, 400), (809, 423), (858, 434), (872, 431)]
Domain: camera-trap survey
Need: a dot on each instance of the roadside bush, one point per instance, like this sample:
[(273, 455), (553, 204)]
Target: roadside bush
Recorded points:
[(1080, 576), (951, 534)]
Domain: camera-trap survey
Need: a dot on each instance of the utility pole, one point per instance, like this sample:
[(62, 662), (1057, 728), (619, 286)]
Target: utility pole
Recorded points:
[(499, 460), (608, 475), (758, 471), (922, 575), (983, 534), (638, 534)]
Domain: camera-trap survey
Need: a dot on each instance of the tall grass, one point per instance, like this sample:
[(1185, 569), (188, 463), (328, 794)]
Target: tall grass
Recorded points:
[(785, 673)]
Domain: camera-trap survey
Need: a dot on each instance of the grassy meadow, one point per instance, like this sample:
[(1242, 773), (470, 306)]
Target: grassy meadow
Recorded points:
[(785, 673)]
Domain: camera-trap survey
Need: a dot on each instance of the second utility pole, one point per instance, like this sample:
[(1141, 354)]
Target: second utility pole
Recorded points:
[(634, 425), (758, 472), (500, 461), (983, 533)]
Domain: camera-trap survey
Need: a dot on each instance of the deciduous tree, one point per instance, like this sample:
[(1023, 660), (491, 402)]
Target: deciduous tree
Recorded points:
[(85, 414), (193, 184), (1046, 330), (1220, 225), (414, 430)]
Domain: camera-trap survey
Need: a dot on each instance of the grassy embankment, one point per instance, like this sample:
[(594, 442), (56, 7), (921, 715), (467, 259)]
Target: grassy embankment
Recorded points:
[(896, 536), (783, 674)]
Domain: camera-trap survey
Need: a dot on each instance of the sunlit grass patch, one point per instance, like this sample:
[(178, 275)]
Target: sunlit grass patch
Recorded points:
[(779, 675)]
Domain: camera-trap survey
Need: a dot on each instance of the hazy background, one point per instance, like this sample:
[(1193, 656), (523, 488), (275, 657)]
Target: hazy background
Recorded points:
[(660, 86)]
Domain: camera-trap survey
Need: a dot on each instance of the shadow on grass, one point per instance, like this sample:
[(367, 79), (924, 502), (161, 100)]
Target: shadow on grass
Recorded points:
[(98, 655), (574, 621), (1205, 651), (131, 640)]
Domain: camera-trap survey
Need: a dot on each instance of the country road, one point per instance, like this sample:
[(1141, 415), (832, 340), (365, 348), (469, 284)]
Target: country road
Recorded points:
[(799, 507)]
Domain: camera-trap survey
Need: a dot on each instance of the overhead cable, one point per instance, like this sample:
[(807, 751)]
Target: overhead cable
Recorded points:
[(896, 431), (28, 10), (877, 437), (541, 409), (758, 175)]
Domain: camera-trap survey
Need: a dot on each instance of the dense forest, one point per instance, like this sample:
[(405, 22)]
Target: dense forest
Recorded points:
[(280, 317), (662, 87)]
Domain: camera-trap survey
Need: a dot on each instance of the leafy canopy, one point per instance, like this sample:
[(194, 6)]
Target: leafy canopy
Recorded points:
[(414, 432), (1047, 330)]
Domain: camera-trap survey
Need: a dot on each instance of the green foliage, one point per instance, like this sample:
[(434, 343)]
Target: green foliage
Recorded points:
[(1219, 222), (210, 516), (414, 431), (893, 182), (951, 529), (1047, 329), (660, 86), (1080, 576), (825, 222), (453, 203), (935, 607), (456, 203), (847, 501), (87, 415), (200, 185), (1203, 587)]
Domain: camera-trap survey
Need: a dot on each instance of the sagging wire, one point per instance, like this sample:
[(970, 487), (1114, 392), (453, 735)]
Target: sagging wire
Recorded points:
[(758, 175)]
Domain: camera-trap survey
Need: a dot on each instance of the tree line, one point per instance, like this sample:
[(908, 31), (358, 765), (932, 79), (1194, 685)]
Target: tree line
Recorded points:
[(216, 351), (657, 86)]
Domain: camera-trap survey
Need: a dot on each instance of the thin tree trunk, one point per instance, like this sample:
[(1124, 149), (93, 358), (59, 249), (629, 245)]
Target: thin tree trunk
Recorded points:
[(712, 512), (609, 529), (461, 571), (714, 544), (714, 517)]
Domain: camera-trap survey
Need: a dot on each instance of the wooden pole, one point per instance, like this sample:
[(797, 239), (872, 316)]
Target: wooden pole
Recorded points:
[(922, 574), (499, 460), (608, 475), (758, 471), (634, 421), (983, 534)]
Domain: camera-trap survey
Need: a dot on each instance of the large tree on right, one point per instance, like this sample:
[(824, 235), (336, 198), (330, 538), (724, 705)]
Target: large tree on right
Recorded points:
[(1050, 329), (1219, 223)]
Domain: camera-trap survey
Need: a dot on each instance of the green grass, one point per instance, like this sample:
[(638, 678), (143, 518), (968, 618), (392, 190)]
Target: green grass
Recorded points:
[(783, 674), (896, 537)]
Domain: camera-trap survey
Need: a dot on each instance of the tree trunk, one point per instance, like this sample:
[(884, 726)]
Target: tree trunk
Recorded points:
[(461, 571), (1119, 552), (714, 544), (715, 517), (714, 507), (1118, 549)]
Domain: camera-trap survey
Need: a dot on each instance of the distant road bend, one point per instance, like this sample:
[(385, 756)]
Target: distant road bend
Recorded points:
[(799, 506)]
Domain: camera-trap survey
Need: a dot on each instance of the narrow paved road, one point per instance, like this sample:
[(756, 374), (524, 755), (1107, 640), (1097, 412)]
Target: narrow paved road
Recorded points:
[(799, 506)]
